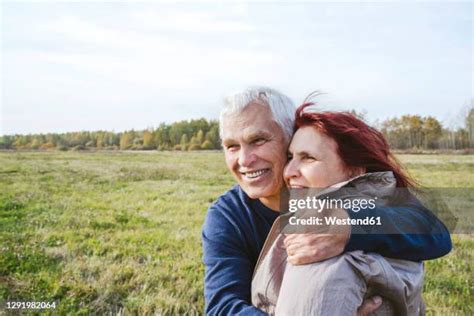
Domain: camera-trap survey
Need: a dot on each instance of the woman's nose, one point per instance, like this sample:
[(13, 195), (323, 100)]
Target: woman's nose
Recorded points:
[(291, 170)]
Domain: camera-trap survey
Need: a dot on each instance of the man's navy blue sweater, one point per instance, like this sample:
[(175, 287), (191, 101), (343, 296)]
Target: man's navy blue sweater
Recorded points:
[(236, 227)]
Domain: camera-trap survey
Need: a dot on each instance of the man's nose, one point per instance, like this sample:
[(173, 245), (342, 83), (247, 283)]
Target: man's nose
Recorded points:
[(246, 156)]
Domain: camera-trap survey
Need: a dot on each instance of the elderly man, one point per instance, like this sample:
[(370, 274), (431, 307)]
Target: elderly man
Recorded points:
[(256, 128)]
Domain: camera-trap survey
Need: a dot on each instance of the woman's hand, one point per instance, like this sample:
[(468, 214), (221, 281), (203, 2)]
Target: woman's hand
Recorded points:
[(313, 247), (321, 243), (369, 306)]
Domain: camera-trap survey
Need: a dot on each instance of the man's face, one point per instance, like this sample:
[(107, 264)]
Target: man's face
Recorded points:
[(255, 152)]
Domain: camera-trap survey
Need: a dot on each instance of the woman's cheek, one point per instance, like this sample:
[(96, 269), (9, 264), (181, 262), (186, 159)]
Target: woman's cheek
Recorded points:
[(315, 176)]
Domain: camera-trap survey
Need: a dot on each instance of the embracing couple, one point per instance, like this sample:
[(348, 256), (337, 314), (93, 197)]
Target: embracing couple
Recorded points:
[(252, 268)]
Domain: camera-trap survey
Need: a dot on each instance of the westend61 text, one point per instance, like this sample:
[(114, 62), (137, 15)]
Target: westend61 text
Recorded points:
[(332, 220)]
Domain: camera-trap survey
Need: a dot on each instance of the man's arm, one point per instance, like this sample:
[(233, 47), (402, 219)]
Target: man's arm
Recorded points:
[(409, 232), (432, 239), (228, 273)]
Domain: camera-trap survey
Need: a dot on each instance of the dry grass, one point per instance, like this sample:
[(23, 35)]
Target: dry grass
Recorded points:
[(112, 232)]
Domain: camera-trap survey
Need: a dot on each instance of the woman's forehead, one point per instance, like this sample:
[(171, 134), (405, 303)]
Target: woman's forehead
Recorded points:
[(309, 139)]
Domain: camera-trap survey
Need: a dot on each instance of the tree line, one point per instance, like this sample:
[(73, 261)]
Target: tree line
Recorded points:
[(200, 134), (405, 132), (416, 132)]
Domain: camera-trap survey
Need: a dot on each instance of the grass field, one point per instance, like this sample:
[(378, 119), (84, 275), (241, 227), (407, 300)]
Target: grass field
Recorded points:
[(114, 232)]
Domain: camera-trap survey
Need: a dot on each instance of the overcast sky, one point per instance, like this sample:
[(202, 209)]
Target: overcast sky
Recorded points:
[(114, 66)]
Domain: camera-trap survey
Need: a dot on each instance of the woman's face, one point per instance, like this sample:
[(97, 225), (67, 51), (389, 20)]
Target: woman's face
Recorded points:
[(313, 161)]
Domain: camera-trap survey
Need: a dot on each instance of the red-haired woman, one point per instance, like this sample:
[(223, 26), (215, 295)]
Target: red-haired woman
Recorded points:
[(338, 151)]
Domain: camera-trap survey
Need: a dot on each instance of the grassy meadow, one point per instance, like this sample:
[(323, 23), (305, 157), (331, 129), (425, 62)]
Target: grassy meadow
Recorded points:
[(119, 232)]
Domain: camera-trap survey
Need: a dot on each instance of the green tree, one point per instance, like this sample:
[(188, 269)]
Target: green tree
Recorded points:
[(6, 142), (36, 143), (432, 132), (184, 142), (470, 126), (194, 141), (99, 142), (200, 137), (126, 141), (207, 145), (148, 140), (21, 141), (213, 136), (412, 128)]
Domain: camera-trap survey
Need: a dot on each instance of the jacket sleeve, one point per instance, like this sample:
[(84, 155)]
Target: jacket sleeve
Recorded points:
[(409, 232), (228, 270)]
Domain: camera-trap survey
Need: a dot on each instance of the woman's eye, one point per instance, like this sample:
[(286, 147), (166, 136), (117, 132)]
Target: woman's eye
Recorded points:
[(310, 158), (290, 156)]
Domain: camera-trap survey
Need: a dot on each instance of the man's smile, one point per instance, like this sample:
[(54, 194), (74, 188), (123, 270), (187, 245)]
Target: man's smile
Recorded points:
[(253, 174)]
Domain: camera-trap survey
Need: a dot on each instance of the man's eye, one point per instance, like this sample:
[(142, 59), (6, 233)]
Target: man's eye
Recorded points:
[(290, 156), (259, 141), (309, 158), (231, 147)]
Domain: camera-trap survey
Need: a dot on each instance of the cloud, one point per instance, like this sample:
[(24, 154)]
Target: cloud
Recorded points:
[(194, 22), (151, 58), (176, 61)]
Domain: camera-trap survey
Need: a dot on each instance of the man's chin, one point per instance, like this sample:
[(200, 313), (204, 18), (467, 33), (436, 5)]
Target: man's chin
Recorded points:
[(256, 193), (253, 193)]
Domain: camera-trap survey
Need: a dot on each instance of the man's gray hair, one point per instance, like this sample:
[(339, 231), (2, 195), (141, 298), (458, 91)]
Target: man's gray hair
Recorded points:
[(282, 107)]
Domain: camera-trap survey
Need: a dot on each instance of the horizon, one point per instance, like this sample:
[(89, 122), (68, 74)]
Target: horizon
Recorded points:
[(70, 67), (155, 127)]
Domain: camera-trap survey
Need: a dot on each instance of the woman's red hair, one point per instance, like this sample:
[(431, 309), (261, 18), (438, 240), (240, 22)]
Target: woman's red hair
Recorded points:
[(358, 144)]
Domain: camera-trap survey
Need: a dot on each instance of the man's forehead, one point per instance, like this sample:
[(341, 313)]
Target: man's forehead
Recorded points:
[(249, 130), (254, 119)]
